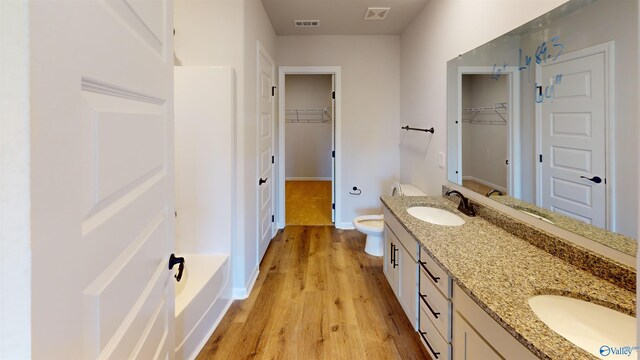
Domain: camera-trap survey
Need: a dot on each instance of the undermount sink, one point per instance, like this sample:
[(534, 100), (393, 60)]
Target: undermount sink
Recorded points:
[(435, 216), (596, 329)]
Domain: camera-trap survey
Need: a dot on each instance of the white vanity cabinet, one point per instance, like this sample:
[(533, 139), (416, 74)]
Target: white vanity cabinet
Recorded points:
[(400, 265), (452, 326), (477, 336)]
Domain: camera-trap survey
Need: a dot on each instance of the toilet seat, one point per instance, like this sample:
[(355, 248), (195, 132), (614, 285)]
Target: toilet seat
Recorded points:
[(370, 223), (373, 225)]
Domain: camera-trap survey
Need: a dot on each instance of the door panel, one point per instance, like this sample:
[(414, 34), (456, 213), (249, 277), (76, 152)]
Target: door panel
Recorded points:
[(333, 147), (573, 138), (408, 285), (145, 18), (266, 73), (468, 344), (102, 179)]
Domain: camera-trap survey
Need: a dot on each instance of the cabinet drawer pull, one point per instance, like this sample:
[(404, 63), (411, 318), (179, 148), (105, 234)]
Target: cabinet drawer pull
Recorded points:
[(424, 266), (422, 333), (424, 299), (395, 249), (391, 253)]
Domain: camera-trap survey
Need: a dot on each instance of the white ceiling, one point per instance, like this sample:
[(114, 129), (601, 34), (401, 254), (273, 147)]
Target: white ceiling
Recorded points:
[(341, 17)]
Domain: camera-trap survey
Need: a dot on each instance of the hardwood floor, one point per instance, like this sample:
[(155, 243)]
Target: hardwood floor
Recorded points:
[(318, 296), (308, 202)]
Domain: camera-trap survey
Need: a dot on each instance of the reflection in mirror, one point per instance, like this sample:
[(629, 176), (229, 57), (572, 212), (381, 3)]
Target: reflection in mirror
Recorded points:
[(484, 133), (543, 119)]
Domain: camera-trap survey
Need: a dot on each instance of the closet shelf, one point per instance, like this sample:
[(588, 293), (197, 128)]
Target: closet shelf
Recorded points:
[(499, 109), (308, 115)]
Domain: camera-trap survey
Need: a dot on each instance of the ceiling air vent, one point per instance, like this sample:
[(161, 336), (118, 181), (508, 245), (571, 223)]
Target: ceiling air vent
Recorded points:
[(376, 13), (307, 23)]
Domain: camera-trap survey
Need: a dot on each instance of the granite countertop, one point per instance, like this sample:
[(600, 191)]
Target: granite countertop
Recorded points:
[(501, 272), (613, 240)]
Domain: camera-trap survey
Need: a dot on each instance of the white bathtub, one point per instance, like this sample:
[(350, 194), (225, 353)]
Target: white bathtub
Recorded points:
[(203, 296)]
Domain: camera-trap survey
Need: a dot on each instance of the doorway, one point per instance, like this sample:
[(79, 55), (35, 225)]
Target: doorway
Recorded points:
[(309, 157), (488, 128), (572, 118), (484, 133)]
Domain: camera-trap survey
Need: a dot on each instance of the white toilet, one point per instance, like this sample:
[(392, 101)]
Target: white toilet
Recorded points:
[(373, 225)]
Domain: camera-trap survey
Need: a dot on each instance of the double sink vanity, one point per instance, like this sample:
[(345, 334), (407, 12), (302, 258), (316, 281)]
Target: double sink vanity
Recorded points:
[(491, 287), (543, 265)]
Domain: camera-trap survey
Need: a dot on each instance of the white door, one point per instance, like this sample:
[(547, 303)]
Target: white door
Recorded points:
[(102, 179), (333, 148), (573, 138), (266, 94)]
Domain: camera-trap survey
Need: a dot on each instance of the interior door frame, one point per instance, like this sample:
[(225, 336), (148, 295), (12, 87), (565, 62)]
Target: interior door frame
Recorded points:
[(514, 172), (283, 71), (609, 58)]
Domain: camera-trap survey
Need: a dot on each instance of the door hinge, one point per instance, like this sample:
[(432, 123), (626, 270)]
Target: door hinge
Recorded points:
[(605, 181), (273, 91), (333, 206), (273, 218), (273, 159), (507, 161), (540, 157), (333, 95), (333, 153)]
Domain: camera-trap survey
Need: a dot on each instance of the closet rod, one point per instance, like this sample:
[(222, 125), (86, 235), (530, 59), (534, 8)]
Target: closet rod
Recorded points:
[(417, 129)]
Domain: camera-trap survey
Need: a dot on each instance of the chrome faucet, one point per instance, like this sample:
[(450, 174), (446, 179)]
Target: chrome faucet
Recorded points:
[(465, 206), (494, 191)]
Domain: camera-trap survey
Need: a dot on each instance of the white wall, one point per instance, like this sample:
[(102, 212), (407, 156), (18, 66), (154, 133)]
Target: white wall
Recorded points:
[(444, 29), (205, 161), (308, 144), (484, 145), (15, 242), (370, 97), (225, 32)]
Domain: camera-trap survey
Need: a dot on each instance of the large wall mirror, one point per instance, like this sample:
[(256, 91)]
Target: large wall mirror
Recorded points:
[(544, 119)]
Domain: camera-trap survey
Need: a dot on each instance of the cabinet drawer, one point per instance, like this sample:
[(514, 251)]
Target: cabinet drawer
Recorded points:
[(407, 240), (434, 272), (438, 348), (435, 306)]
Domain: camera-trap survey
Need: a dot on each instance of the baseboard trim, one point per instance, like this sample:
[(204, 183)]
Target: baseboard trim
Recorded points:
[(308, 179), (240, 293), (214, 325), (345, 226)]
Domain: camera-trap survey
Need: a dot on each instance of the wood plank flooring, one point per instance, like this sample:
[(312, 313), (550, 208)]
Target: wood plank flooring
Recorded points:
[(318, 296), (308, 202)]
